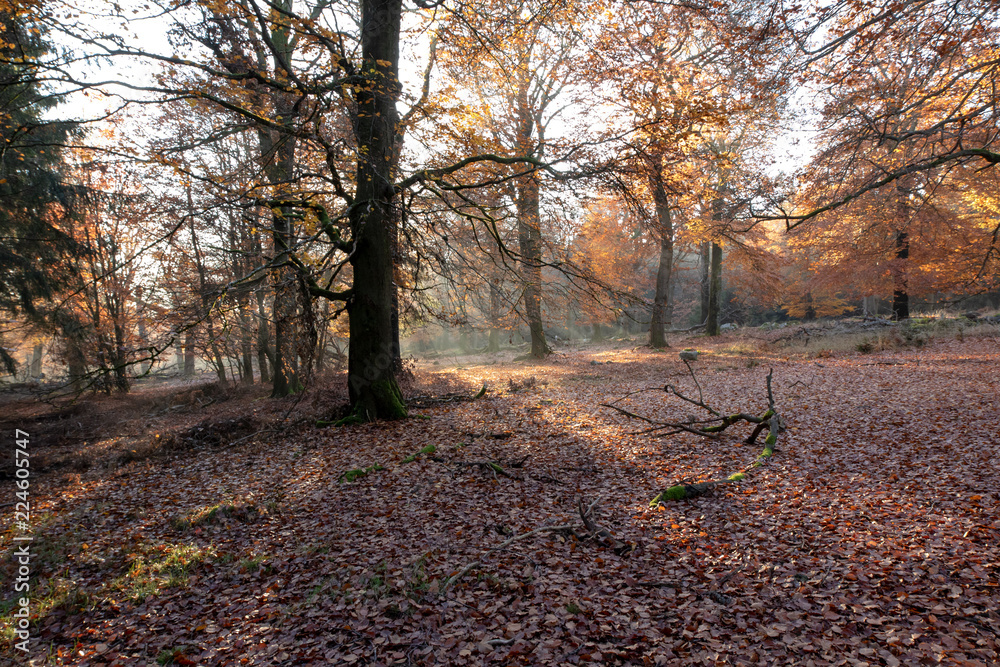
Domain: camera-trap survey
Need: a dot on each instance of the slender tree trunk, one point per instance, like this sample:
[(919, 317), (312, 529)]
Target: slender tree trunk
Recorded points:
[(494, 343), (246, 344), (530, 241), (704, 266), (35, 369), (372, 384), (662, 317), (322, 337), (396, 220), (715, 291), (264, 352), (178, 355), (715, 273), (277, 150), (900, 293), (810, 313), (189, 355), (899, 266), (144, 338), (118, 357), (203, 289), (76, 361), (220, 365), (265, 356)]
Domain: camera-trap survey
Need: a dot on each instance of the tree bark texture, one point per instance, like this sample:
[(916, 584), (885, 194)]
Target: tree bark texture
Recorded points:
[(372, 385), (494, 343), (704, 264), (900, 292), (530, 241), (715, 291), (662, 316)]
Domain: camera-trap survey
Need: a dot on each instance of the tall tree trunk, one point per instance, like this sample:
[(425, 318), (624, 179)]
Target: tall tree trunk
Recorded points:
[(283, 308), (494, 343), (704, 266), (277, 150), (322, 337), (35, 368), (264, 352), (900, 292), (529, 231), (661, 320), (810, 313), (145, 365), (662, 303), (246, 344), (372, 385), (530, 241), (715, 291), (118, 357), (72, 332), (899, 265), (396, 220), (220, 365), (189, 354), (178, 355)]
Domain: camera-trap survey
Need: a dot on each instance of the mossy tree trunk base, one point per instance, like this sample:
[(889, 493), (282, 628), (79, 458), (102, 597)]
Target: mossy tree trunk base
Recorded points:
[(380, 400)]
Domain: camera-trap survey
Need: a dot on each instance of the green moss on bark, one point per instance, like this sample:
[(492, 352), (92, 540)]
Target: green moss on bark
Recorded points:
[(429, 449), (381, 399), (389, 399), (675, 493), (353, 418)]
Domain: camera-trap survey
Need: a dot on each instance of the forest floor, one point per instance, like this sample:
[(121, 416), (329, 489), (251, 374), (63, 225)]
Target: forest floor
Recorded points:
[(191, 526)]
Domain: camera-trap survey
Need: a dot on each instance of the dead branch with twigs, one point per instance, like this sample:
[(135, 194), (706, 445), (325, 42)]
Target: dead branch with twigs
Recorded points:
[(453, 397), (497, 467), (711, 428)]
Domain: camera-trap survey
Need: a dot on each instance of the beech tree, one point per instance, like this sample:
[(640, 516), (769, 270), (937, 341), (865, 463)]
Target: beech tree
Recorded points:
[(894, 139), (522, 65), (655, 65), (289, 76), (302, 76)]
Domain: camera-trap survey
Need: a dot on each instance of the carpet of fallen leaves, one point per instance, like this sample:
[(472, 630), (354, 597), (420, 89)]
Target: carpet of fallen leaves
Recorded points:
[(871, 538)]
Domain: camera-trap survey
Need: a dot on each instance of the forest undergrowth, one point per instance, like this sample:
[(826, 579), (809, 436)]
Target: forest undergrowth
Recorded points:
[(206, 527)]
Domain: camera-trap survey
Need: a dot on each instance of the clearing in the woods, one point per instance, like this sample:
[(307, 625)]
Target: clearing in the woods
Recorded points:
[(189, 525)]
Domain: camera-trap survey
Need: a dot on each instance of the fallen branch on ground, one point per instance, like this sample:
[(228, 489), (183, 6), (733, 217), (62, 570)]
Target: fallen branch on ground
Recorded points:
[(695, 327), (710, 428), (494, 467), (453, 397), (770, 420)]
